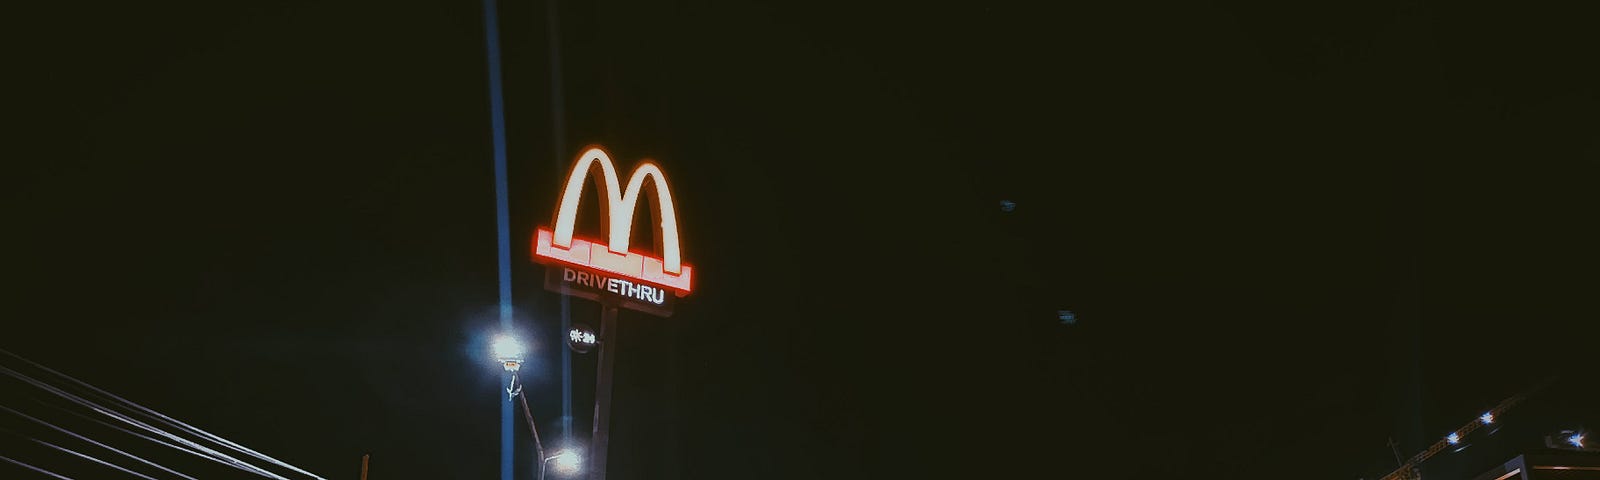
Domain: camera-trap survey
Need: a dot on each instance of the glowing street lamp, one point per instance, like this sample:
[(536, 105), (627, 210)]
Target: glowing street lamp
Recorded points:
[(567, 462), (508, 351)]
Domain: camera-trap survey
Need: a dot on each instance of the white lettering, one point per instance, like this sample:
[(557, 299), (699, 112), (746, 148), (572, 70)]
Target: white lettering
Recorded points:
[(618, 286)]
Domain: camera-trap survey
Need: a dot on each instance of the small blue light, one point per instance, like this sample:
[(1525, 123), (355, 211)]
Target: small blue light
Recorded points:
[(1453, 438), (1007, 205), (1487, 418), (1067, 317), (1576, 440)]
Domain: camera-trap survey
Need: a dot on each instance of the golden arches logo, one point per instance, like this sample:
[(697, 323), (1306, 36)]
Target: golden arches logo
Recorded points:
[(618, 204)]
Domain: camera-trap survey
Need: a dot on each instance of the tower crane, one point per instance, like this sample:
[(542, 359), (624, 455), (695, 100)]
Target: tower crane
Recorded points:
[(1410, 470)]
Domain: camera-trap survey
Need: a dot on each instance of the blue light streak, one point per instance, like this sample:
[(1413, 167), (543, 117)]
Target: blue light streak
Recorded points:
[(502, 209), (558, 147)]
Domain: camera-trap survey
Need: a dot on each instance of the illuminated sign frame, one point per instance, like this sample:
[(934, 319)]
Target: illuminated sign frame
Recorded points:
[(594, 268)]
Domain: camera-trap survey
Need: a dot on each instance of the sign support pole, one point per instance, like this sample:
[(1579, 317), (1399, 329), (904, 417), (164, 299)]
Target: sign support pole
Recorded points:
[(602, 392)]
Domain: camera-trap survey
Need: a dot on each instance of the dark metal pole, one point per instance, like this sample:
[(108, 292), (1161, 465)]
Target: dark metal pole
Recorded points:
[(507, 427), (538, 446), (602, 392)]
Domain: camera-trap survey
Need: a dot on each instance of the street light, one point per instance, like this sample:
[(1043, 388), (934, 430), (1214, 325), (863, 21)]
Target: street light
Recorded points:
[(508, 351), (568, 461)]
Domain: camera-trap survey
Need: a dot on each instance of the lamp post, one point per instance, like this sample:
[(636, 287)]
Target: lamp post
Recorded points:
[(509, 352), (567, 460)]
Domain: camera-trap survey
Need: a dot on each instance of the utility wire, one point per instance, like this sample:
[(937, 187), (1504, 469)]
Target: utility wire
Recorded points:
[(153, 439), (83, 456), (98, 444), (31, 467), (169, 420), (125, 419)]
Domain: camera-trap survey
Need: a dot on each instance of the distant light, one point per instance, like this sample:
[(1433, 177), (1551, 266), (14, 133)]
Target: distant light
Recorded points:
[(508, 351), (1576, 440), (1487, 418), (567, 462), (1067, 317), (1007, 205), (1453, 438), (581, 339)]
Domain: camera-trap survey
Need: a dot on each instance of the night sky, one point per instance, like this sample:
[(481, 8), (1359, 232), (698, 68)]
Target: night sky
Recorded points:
[(1288, 233)]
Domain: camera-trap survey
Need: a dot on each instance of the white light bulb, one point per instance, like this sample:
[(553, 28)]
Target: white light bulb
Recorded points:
[(505, 347), (567, 461)]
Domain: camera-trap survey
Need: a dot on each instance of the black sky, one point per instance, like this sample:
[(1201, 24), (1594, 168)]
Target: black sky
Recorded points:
[(1290, 232)]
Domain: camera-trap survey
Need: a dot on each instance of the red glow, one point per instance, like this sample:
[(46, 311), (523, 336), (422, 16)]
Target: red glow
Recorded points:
[(596, 255)]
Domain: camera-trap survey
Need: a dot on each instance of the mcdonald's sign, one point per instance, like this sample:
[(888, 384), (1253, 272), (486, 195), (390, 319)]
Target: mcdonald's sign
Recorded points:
[(609, 271)]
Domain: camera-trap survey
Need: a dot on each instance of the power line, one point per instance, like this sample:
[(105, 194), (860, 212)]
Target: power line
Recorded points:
[(169, 421), (156, 440), (31, 467), (83, 456), (98, 444), (125, 419)]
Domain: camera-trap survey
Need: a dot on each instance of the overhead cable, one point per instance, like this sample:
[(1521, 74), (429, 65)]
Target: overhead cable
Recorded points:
[(169, 420), (31, 467), (86, 457), (98, 444), (125, 419), (158, 441)]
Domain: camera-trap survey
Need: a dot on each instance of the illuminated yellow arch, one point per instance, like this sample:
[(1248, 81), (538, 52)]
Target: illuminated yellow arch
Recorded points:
[(620, 205)]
